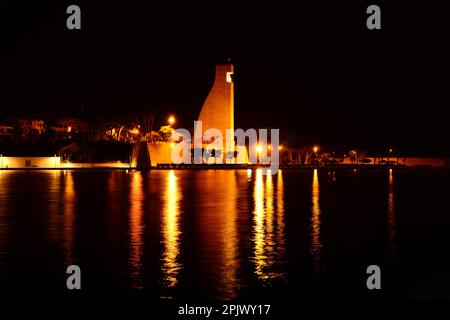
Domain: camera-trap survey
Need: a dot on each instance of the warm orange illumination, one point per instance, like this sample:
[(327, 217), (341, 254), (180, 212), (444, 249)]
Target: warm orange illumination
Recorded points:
[(171, 232), (54, 209), (69, 129), (172, 144), (229, 77), (315, 149), (280, 148), (280, 215), (229, 235), (68, 218), (135, 131), (259, 148), (268, 227), (316, 245), (171, 120), (258, 227), (136, 229), (392, 228)]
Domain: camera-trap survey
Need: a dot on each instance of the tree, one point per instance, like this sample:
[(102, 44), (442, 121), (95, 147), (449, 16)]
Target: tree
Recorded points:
[(230, 155), (166, 133)]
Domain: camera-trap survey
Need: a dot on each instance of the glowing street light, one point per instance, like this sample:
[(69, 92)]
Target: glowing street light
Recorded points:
[(389, 156), (315, 149), (171, 120), (280, 147)]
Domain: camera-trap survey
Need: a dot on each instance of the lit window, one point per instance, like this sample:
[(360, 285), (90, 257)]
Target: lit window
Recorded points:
[(229, 77)]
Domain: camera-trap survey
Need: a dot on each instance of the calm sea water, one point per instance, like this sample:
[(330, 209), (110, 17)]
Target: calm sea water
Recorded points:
[(225, 234)]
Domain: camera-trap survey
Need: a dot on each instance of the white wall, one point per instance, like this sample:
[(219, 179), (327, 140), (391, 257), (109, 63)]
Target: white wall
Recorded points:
[(30, 162)]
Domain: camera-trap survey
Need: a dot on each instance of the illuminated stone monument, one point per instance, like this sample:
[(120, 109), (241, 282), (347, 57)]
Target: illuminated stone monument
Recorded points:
[(218, 109), (218, 113)]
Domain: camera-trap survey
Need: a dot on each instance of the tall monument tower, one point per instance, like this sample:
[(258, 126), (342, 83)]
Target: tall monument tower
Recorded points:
[(218, 109)]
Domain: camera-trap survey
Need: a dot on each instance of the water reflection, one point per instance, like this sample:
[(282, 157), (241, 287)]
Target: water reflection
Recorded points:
[(249, 174), (332, 176), (316, 244), (230, 238), (53, 196), (4, 203), (217, 233), (392, 234), (268, 228), (234, 231), (170, 231), (68, 217), (280, 213), (260, 257), (136, 228)]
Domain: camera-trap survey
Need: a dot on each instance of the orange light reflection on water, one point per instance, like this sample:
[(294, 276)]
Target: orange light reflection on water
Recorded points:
[(136, 228), (170, 231), (392, 233), (268, 226), (316, 243), (68, 217)]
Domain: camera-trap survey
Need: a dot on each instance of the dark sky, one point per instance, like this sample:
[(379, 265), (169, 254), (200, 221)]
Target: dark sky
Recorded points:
[(312, 69)]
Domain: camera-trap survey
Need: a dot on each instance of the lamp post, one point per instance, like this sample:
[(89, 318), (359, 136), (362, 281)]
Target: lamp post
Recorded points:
[(315, 149), (259, 149), (171, 120)]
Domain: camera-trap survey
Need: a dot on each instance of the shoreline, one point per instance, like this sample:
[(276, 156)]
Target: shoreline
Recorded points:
[(98, 167)]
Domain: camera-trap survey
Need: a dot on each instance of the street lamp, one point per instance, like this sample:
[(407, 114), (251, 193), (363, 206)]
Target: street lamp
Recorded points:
[(171, 120), (259, 150), (315, 149)]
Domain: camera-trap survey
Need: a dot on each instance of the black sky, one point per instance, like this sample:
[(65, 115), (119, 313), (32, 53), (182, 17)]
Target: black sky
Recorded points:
[(312, 69)]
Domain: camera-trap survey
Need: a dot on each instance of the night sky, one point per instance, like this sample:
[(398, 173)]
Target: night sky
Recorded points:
[(315, 71)]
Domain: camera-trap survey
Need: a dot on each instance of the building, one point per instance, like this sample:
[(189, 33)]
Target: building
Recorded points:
[(218, 109), (66, 127), (6, 131), (217, 113), (27, 126), (29, 162)]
